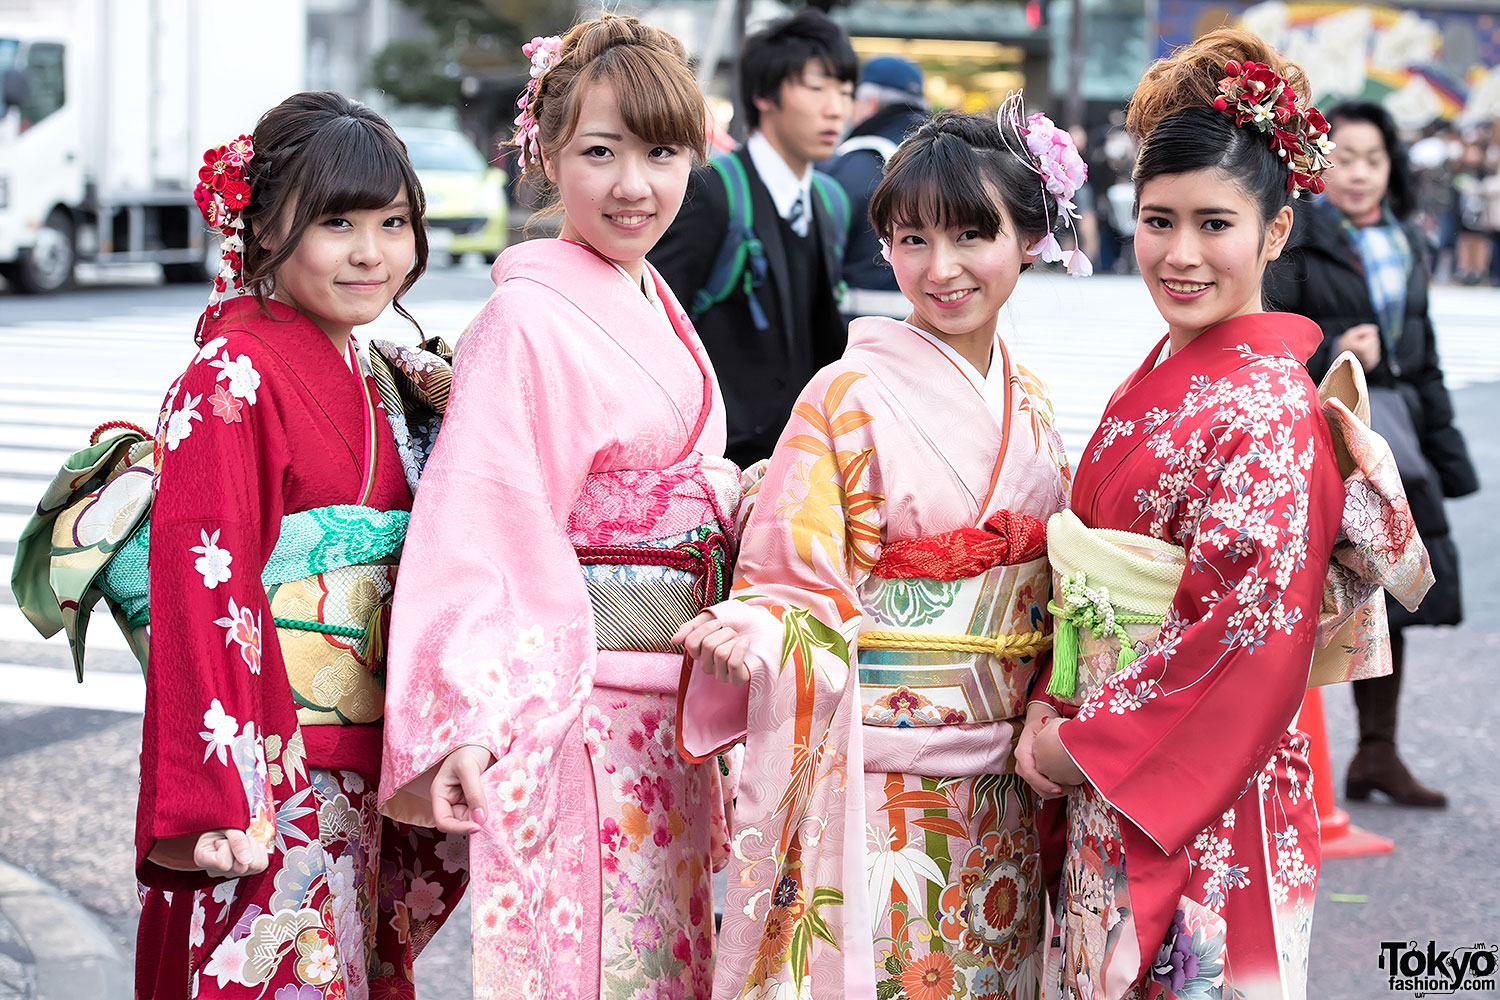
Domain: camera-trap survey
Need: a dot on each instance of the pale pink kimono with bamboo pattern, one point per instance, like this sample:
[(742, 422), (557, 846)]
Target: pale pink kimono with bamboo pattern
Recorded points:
[(579, 416), (897, 856)]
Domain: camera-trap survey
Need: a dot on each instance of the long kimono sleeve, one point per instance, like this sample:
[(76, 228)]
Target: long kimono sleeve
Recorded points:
[(812, 535), (1171, 740), (491, 643), (213, 673)]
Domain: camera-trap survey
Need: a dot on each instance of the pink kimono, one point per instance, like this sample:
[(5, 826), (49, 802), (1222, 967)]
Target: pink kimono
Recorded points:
[(584, 417), (918, 878)]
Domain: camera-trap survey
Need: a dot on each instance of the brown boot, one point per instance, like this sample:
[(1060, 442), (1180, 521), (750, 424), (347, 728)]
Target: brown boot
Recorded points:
[(1377, 768)]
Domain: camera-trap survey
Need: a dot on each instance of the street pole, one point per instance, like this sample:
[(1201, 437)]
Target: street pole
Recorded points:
[(741, 15), (1073, 109)]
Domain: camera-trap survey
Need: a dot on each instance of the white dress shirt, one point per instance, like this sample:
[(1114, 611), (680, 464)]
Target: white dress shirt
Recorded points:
[(785, 187)]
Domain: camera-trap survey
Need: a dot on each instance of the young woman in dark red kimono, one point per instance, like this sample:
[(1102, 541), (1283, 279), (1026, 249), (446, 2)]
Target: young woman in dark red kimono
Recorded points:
[(1192, 848), (280, 508)]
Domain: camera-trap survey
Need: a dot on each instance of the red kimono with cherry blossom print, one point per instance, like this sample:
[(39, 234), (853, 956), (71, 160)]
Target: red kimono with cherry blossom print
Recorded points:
[(268, 420), (1192, 851)]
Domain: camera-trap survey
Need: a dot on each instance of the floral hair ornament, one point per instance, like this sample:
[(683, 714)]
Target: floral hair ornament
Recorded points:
[(223, 194), (1256, 96), (1052, 155), (543, 53)]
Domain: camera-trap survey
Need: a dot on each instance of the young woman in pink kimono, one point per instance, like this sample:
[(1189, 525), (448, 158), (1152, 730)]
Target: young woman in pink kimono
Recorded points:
[(573, 513), (1192, 837), (889, 613)]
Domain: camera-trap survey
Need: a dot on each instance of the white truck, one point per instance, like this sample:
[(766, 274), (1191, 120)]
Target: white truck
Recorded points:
[(106, 108)]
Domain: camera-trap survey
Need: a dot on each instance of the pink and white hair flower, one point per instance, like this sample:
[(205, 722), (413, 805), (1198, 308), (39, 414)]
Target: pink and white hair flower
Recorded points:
[(544, 53), (1052, 155)]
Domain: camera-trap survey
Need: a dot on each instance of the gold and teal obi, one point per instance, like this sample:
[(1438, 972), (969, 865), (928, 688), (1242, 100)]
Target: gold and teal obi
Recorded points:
[(958, 621), (329, 579), (329, 582)]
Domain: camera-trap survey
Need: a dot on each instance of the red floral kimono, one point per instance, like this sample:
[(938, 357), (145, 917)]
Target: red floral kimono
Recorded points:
[(1192, 850), (268, 420)]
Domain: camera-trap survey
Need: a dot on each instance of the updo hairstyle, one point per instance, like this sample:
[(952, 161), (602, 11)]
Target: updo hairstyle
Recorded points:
[(1172, 116), (319, 154), (658, 97), (949, 172)]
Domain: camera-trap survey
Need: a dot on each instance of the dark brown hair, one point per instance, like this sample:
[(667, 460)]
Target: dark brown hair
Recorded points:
[(950, 171), (319, 154), (1172, 116), (658, 97)]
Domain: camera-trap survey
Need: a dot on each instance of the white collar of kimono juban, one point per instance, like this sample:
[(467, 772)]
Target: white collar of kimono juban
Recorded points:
[(991, 390), (647, 286)]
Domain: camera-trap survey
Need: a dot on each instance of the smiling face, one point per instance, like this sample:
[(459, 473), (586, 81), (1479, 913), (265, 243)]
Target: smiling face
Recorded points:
[(1361, 171), (1202, 249), (620, 192), (957, 278), (804, 125), (347, 268)]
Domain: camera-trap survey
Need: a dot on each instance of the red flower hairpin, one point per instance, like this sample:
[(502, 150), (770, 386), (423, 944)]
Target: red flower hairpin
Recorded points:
[(223, 194), (1255, 96)]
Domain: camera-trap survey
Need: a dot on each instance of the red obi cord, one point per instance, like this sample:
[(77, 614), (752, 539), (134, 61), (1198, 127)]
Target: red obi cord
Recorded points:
[(1006, 539)]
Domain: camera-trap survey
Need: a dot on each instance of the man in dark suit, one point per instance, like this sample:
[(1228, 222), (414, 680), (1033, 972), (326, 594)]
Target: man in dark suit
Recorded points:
[(796, 84)]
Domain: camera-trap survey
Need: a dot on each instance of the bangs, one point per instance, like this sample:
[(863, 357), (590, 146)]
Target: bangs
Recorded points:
[(940, 185), (662, 106), (347, 167)]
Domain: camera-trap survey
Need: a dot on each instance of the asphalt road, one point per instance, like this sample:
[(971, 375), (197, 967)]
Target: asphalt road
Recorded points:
[(68, 775)]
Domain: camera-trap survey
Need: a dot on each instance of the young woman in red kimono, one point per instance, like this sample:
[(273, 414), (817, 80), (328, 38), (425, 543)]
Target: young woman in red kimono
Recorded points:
[(1192, 838), (280, 506)]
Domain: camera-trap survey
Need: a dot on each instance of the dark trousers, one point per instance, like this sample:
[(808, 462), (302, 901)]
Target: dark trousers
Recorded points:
[(1375, 699)]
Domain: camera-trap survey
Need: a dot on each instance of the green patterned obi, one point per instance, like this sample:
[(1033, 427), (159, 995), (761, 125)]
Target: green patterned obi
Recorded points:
[(951, 652), (329, 582)]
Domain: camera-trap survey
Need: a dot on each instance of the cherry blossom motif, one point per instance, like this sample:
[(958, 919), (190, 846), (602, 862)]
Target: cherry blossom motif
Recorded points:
[(424, 899), (226, 407), (200, 918), (567, 919), (220, 728), (242, 377), (227, 964), (453, 852), (242, 627), (213, 562), (208, 350), (180, 423)]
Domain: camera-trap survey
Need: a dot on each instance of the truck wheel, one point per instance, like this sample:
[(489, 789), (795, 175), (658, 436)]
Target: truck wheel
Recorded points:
[(192, 274), (48, 266)]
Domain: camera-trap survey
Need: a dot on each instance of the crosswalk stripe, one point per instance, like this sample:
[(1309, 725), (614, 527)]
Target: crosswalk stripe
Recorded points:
[(1082, 338)]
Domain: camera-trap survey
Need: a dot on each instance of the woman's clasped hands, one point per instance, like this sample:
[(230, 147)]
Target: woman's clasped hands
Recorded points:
[(1041, 758)]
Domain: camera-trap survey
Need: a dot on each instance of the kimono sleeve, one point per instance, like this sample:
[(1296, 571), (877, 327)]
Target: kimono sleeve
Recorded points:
[(215, 686), (1171, 740), (812, 536), (491, 634)]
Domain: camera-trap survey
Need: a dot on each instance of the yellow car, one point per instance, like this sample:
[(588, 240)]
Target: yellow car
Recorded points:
[(467, 208)]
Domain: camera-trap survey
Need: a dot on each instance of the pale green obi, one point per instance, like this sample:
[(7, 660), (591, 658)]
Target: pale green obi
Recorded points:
[(953, 652)]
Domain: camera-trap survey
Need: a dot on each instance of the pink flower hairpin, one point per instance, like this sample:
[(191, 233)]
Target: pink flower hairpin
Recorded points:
[(543, 53)]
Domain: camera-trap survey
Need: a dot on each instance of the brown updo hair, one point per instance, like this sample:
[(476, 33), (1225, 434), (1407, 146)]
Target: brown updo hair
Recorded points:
[(1172, 116), (320, 154), (659, 99)]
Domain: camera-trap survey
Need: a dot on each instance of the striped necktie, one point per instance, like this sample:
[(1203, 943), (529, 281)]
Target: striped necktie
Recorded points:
[(798, 217)]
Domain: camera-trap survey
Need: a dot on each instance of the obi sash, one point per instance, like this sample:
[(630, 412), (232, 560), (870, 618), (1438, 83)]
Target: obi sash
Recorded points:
[(643, 593), (329, 582), (1113, 588), (963, 612)]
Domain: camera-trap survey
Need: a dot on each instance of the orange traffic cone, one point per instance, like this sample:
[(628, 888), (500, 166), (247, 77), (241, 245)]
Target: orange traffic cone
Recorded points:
[(1341, 838)]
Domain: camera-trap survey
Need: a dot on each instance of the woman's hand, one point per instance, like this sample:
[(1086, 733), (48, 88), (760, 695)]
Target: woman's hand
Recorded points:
[(458, 800), (1037, 717), (1363, 341), (223, 853), (1052, 759), (718, 648)]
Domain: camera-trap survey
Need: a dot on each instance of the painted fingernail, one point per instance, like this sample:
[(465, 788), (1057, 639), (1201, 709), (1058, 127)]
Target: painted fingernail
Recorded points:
[(479, 816)]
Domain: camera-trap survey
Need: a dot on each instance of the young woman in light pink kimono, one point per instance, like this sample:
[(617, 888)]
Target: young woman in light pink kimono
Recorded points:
[(573, 513), (890, 614)]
